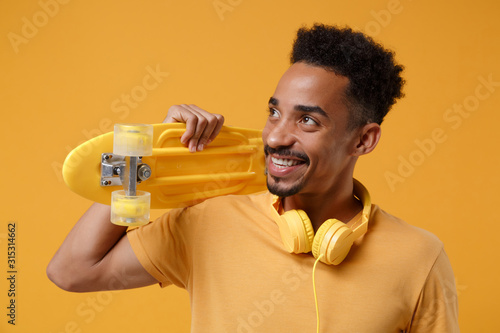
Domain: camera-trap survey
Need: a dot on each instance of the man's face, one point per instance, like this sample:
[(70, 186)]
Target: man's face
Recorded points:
[(307, 144)]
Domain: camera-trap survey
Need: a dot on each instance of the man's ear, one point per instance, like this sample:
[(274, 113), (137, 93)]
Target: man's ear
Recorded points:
[(368, 137)]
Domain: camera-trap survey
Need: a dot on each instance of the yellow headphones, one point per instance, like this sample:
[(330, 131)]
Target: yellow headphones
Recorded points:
[(333, 239)]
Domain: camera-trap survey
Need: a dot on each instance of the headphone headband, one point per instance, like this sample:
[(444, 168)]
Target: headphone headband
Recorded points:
[(362, 194)]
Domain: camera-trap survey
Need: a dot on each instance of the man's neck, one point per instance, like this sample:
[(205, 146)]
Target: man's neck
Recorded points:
[(340, 204)]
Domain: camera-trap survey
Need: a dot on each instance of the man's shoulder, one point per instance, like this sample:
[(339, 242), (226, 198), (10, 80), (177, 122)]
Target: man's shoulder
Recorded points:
[(397, 231)]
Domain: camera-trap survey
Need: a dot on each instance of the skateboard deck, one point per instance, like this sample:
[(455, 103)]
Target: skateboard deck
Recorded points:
[(232, 164)]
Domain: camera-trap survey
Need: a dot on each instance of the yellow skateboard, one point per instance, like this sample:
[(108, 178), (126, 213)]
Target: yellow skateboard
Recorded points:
[(138, 167)]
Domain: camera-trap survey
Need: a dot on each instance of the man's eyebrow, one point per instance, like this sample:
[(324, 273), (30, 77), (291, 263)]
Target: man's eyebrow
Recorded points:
[(312, 109), (273, 101)]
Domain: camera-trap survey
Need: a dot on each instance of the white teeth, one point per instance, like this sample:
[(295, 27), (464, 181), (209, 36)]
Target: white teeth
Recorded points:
[(283, 163)]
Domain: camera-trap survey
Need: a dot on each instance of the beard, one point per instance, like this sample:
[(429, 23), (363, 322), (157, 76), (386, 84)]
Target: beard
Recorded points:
[(283, 192), (280, 191)]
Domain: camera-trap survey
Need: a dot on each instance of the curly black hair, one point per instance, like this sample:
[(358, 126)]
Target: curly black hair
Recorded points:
[(375, 80)]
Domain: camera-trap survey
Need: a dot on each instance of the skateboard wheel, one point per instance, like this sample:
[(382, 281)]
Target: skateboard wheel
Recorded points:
[(133, 140), (129, 210)]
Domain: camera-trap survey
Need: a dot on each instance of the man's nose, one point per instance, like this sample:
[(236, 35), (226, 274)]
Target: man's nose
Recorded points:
[(281, 135)]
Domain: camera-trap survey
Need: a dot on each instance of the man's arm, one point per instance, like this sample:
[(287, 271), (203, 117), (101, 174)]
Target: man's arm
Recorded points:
[(96, 254)]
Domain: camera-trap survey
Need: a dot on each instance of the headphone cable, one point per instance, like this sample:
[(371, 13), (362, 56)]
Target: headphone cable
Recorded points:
[(315, 295)]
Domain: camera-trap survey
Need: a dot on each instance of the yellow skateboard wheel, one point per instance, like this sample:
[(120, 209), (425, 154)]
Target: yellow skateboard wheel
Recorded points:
[(130, 210)]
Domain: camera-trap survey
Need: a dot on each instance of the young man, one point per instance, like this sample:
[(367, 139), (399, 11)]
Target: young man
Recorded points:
[(228, 252)]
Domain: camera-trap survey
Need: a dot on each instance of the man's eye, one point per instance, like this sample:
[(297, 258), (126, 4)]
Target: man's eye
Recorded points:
[(273, 112), (308, 121)]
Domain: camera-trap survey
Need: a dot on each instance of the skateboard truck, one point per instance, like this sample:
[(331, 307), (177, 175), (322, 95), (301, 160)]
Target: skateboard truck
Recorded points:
[(113, 170), (129, 207)]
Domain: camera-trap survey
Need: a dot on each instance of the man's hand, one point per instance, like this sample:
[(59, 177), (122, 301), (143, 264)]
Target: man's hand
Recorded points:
[(201, 126)]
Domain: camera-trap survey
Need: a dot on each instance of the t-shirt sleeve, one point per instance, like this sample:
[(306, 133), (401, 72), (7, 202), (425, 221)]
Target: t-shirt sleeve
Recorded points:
[(160, 247), (437, 306)]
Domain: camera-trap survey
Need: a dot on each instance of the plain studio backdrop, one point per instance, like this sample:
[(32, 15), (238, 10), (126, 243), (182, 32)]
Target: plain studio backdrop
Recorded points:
[(71, 69)]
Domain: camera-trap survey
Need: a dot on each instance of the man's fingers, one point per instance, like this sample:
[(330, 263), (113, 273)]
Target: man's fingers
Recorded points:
[(218, 127), (201, 126), (208, 126)]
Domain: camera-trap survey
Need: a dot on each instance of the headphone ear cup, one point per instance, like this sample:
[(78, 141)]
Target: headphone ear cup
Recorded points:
[(298, 233), (334, 240)]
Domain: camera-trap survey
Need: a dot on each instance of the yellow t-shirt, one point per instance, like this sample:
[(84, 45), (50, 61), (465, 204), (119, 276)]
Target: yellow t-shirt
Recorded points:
[(227, 253)]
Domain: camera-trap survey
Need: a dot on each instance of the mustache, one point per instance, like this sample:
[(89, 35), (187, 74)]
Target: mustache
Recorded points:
[(286, 152)]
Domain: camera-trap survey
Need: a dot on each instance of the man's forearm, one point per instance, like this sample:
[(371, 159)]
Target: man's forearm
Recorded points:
[(89, 241)]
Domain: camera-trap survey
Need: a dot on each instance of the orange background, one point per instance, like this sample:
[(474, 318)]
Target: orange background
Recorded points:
[(67, 68)]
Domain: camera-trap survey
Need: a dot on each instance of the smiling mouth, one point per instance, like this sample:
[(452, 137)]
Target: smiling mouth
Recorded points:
[(284, 162), (284, 157)]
